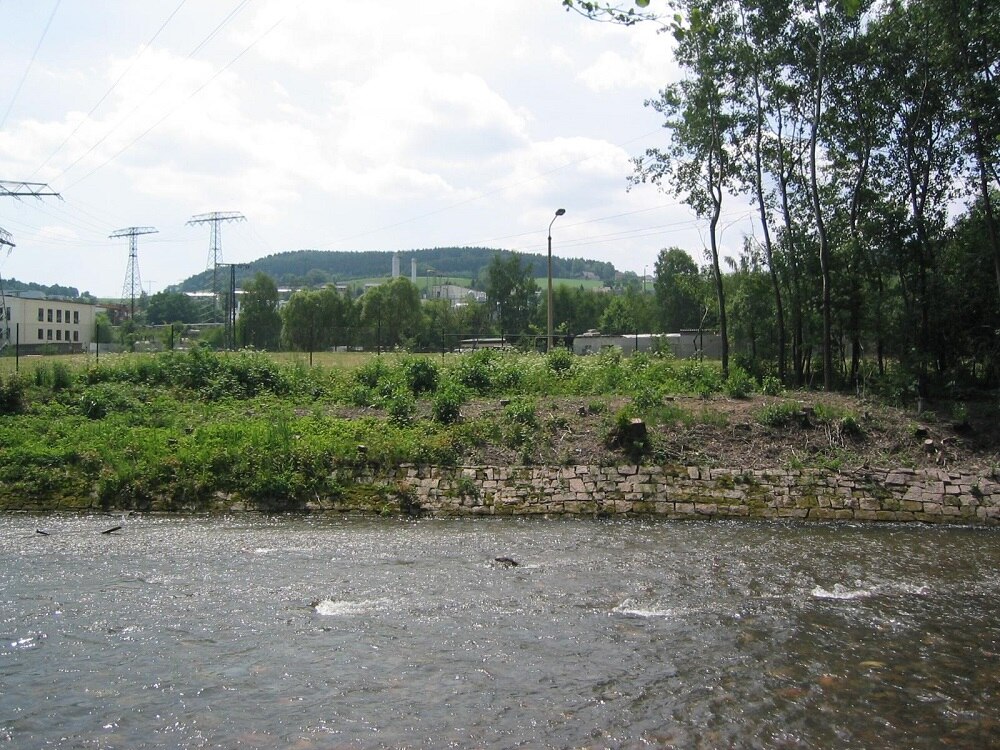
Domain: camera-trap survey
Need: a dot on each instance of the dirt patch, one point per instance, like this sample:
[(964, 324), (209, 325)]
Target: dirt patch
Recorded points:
[(810, 429), (827, 430)]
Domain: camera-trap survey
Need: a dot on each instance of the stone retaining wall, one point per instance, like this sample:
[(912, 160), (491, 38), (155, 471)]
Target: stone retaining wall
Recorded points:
[(687, 492)]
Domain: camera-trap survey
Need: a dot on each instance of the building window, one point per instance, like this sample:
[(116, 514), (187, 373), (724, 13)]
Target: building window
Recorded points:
[(58, 335), (76, 316), (48, 333), (41, 315), (58, 316), (67, 316), (67, 335), (76, 335), (49, 315), (41, 334)]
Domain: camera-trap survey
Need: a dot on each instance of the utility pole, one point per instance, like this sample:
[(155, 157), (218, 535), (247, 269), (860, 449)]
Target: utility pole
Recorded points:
[(231, 303), (16, 190), (5, 241), (215, 218), (132, 281)]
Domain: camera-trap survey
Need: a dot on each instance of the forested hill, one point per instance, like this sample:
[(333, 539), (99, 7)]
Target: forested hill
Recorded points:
[(55, 290), (317, 267)]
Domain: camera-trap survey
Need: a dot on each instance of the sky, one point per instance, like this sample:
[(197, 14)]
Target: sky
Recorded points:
[(328, 125)]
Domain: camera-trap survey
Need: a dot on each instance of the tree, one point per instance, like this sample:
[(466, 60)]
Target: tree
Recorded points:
[(392, 313), (170, 307), (512, 293), (676, 287), (259, 323), (314, 320), (697, 165)]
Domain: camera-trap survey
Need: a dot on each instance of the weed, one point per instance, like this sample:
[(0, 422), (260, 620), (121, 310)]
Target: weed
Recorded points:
[(739, 384), (447, 402)]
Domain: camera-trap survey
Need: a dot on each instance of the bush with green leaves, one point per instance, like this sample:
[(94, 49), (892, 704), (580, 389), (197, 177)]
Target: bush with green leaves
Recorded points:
[(699, 378), (12, 400), (401, 407), (739, 384), (771, 385), (488, 371), (779, 414), (446, 404), (421, 374), (560, 361), (646, 398)]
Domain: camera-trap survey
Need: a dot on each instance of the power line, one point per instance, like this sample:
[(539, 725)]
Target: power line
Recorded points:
[(113, 86), (156, 124), (31, 62)]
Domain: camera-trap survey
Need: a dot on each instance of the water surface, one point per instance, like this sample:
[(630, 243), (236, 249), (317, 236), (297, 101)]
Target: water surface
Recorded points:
[(332, 632)]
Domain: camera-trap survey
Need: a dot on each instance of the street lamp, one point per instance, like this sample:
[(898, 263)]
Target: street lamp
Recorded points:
[(559, 212)]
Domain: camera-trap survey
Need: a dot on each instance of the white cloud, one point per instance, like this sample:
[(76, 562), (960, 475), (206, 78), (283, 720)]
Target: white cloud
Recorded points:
[(379, 126)]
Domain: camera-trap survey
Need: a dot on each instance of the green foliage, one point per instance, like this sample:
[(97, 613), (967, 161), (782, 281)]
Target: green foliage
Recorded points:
[(447, 402), (646, 398), (421, 374), (53, 375), (98, 400), (779, 414), (698, 378), (521, 411), (12, 398), (771, 385), (560, 361), (487, 371), (401, 407), (739, 384)]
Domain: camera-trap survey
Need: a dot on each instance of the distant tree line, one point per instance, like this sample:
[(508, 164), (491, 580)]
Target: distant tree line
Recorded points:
[(317, 268)]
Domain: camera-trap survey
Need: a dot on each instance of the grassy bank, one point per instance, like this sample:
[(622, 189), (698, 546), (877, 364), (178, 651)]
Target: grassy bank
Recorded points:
[(178, 430)]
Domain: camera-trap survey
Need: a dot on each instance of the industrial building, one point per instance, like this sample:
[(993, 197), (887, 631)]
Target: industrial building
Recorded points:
[(35, 323)]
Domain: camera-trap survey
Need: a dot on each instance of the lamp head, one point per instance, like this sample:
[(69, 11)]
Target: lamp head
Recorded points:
[(560, 211)]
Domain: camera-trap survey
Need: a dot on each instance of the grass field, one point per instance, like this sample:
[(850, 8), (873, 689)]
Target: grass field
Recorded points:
[(27, 364)]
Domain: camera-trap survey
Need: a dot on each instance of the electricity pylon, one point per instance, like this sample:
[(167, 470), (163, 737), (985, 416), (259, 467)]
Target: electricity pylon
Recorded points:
[(132, 281), (215, 218), (18, 190)]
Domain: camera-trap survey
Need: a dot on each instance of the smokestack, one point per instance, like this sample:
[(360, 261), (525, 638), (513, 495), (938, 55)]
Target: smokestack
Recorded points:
[(395, 265), (413, 271)]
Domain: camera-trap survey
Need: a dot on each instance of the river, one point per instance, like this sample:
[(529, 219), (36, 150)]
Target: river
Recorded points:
[(309, 632)]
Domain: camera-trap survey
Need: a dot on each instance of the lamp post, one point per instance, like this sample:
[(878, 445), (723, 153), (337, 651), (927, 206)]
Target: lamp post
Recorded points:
[(548, 345)]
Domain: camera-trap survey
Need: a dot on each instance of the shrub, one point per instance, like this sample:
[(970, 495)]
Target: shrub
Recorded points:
[(447, 403), (401, 407), (739, 384), (421, 374), (12, 395), (770, 385), (560, 361), (777, 415), (372, 372), (697, 377), (521, 411), (646, 398), (99, 400)]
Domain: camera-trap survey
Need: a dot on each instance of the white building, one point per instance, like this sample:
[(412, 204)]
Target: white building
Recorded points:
[(682, 345), (35, 323)]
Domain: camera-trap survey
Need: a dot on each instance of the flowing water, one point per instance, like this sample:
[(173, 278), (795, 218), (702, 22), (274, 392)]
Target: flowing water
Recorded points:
[(332, 632)]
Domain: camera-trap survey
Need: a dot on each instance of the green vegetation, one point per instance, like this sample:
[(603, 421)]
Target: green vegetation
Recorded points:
[(201, 430)]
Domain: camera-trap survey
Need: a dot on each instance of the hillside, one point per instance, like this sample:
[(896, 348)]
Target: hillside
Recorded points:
[(318, 267)]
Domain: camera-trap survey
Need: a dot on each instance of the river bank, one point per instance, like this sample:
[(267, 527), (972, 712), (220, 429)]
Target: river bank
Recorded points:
[(483, 434)]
